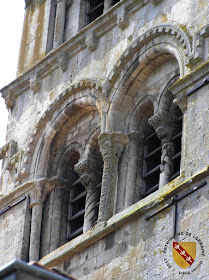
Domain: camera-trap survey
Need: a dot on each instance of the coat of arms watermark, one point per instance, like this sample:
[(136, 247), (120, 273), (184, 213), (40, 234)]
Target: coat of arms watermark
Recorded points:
[(184, 252)]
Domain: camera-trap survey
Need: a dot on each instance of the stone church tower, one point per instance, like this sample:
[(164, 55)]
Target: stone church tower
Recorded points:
[(105, 169)]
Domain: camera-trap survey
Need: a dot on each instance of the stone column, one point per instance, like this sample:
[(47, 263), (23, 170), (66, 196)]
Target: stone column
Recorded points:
[(111, 147), (89, 170), (136, 141), (59, 23), (37, 198), (164, 124), (57, 226)]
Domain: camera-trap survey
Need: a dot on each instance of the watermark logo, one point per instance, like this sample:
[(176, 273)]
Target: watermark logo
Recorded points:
[(184, 252)]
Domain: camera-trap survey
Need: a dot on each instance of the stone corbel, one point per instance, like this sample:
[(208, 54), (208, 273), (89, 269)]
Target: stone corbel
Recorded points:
[(63, 61), (181, 101), (156, 2), (91, 41), (198, 51), (122, 18), (9, 98), (35, 82)]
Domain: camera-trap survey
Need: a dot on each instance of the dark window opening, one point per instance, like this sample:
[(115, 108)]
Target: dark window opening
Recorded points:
[(151, 163), (96, 8), (76, 210), (177, 147), (114, 2)]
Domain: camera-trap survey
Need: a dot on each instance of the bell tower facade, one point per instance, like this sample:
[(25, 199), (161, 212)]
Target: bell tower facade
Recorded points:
[(105, 171)]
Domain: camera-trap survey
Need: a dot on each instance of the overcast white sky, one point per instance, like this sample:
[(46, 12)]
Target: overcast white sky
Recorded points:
[(11, 22)]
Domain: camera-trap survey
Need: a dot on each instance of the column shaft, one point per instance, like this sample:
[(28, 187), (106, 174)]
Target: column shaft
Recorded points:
[(59, 23), (35, 232), (56, 219), (109, 182), (111, 146)]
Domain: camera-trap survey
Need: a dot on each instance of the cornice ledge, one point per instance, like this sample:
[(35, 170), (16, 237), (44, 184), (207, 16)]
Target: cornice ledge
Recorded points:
[(16, 193), (117, 221), (186, 83)]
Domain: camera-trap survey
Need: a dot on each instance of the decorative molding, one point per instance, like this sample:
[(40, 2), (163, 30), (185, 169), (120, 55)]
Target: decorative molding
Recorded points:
[(184, 40)]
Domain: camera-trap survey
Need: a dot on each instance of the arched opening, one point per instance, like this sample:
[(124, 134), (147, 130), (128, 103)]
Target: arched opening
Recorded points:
[(146, 112), (69, 210)]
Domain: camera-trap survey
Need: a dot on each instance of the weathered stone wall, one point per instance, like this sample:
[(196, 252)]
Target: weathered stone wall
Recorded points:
[(94, 83), (14, 237), (136, 249)]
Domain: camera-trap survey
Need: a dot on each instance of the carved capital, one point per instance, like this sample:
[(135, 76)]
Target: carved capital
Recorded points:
[(42, 187), (112, 144), (181, 101), (89, 171), (35, 82), (91, 41), (164, 124)]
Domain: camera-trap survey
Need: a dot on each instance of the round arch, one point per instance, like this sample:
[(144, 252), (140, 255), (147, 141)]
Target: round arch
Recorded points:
[(142, 57), (68, 107)]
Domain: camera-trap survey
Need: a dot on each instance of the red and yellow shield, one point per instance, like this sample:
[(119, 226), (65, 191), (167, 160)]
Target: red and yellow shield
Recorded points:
[(184, 253)]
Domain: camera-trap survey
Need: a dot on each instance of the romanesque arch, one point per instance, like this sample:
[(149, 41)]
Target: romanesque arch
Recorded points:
[(142, 57)]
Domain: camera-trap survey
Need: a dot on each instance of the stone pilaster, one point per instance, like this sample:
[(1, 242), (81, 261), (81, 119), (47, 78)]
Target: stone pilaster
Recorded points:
[(89, 170), (136, 141), (111, 147), (164, 124), (42, 187)]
